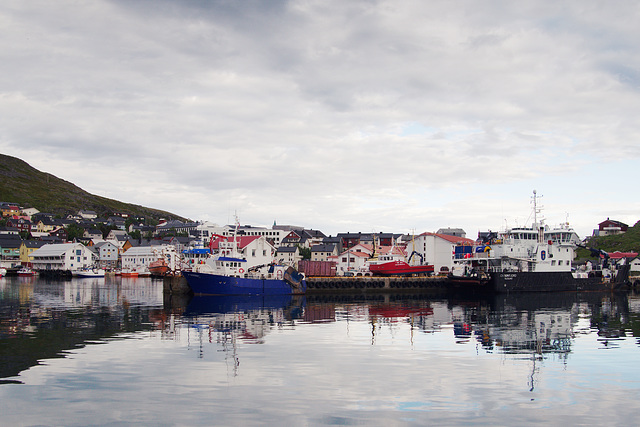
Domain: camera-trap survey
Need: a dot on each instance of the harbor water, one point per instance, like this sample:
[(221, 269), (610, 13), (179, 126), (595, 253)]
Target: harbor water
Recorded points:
[(116, 351)]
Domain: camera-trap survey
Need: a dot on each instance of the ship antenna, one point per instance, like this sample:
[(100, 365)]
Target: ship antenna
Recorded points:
[(536, 209)]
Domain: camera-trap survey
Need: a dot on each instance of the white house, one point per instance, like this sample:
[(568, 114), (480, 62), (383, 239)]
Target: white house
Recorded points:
[(286, 255), (115, 235), (353, 260), (437, 249), (635, 264), (138, 258), (323, 252), (107, 253), (63, 256), (255, 249)]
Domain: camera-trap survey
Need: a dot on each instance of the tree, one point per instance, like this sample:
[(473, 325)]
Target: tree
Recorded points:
[(105, 229), (305, 252), (74, 231)]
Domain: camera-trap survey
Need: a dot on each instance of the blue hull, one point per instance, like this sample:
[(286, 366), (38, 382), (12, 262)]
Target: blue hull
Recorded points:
[(214, 284), (215, 304)]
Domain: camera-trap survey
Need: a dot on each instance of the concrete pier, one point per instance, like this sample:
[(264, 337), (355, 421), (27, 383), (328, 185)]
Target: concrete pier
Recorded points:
[(175, 285), (382, 284)]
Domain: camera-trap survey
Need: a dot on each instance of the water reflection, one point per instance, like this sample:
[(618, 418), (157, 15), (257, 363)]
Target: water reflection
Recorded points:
[(533, 325), (44, 319), (368, 359)]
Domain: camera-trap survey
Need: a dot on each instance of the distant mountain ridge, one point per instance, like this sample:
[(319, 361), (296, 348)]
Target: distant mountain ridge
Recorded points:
[(22, 184)]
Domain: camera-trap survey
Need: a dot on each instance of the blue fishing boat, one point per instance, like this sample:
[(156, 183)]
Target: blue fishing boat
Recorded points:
[(227, 273), (229, 276)]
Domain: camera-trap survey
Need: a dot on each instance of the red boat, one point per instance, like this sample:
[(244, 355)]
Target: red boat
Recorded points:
[(159, 267), (399, 268)]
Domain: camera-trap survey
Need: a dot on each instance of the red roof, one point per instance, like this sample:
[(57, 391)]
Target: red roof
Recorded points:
[(243, 241), (451, 239), (619, 255)]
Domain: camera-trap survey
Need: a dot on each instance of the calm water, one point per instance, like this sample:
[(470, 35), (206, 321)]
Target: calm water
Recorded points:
[(113, 352)]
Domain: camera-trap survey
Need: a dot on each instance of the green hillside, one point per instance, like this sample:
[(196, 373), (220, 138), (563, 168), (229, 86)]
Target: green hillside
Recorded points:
[(626, 242), (22, 184)]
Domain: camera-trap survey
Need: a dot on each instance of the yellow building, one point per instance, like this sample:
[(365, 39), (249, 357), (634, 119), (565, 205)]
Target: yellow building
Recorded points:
[(27, 247)]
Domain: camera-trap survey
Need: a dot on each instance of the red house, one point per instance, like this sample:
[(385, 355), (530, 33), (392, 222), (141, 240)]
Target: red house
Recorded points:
[(609, 227)]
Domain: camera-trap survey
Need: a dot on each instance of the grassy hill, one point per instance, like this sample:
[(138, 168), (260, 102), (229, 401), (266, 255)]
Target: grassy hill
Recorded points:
[(22, 184), (627, 242)]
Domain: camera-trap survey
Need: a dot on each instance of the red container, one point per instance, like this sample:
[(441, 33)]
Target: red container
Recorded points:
[(317, 268)]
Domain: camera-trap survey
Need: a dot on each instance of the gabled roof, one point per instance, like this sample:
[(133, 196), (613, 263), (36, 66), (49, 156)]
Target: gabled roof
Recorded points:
[(139, 250), (56, 249), (103, 243), (33, 243), (450, 239), (6, 241), (243, 241), (613, 221)]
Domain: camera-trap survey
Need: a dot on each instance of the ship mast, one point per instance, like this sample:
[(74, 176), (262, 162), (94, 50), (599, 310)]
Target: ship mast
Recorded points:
[(536, 210)]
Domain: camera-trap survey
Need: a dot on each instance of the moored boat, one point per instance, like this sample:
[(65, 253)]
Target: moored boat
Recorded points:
[(399, 268), (26, 272), (229, 276), (127, 272), (89, 272), (535, 258), (159, 267)]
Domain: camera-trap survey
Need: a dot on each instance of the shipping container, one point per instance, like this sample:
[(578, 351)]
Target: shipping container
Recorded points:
[(317, 268)]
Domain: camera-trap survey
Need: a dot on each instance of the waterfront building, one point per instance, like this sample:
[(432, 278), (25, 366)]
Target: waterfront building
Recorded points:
[(10, 250), (63, 256), (138, 258), (27, 247), (108, 254), (437, 249)]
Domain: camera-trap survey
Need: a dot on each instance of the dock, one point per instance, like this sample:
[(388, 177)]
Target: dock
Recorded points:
[(374, 283)]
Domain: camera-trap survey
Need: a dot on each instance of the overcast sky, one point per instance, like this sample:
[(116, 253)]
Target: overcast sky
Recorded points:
[(342, 116)]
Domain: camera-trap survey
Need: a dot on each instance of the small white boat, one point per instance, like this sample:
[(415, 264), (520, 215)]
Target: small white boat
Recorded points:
[(26, 272), (3, 272), (89, 272)]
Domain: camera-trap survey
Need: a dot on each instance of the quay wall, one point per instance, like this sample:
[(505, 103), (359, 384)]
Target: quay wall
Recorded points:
[(175, 285), (55, 274), (374, 283)]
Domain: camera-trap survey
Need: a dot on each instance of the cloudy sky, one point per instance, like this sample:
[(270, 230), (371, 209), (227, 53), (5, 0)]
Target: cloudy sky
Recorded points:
[(402, 115)]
